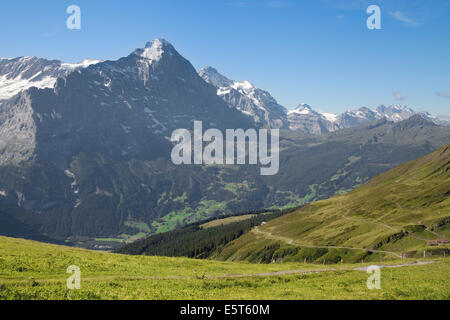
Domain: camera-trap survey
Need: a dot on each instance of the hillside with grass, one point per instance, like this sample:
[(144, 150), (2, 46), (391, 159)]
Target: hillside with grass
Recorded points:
[(33, 270), (202, 239), (104, 201), (404, 212)]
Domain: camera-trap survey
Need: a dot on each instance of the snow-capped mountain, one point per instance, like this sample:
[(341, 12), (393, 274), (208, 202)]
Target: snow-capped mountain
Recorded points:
[(88, 153), (395, 113), (248, 99), (212, 76), (307, 120), (266, 111), (352, 118), (93, 151), (125, 107), (441, 120), (21, 73)]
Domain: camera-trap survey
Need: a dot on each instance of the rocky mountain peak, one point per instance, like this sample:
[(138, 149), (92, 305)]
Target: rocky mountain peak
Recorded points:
[(154, 50), (212, 76), (248, 99)]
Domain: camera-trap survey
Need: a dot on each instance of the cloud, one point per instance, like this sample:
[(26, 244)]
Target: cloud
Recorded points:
[(398, 96), (400, 16), (443, 94)]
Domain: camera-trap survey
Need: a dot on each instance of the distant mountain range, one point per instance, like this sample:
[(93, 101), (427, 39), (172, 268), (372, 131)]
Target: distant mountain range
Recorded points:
[(86, 153), (22, 73), (266, 111)]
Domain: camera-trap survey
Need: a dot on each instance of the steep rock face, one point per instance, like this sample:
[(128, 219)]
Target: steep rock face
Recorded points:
[(89, 156), (125, 108), (17, 130), (212, 76), (244, 96), (352, 118), (93, 152), (305, 119), (395, 113)]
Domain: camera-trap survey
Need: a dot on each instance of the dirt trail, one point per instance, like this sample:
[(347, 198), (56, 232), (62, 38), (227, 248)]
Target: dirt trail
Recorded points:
[(310, 271), (294, 242), (386, 225), (100, 278)]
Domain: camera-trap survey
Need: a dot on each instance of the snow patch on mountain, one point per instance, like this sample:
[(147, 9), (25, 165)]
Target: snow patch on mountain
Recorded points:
[(305, 119), (303, 108), (19, 74), (10, 87), (330, 116), (83, 64), (153, 50), (212, 76), (248, 99)]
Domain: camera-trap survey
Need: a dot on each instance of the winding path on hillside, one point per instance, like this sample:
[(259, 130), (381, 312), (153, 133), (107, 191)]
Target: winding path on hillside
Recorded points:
[(310, 271), (294, 242), (371, 221)]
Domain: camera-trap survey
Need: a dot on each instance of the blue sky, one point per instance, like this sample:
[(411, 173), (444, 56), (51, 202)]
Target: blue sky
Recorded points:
[(315, 51)]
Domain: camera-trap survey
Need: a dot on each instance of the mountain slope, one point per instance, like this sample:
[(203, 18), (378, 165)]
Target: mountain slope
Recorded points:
[(305, 119), (395, 214), (100, 196), (85, 145), (124, 108), (90, 157), (19, 74), (201, 239), (244, 96)]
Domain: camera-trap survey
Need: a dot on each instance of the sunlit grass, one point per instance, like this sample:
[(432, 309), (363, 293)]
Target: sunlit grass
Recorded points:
[(32, 270)]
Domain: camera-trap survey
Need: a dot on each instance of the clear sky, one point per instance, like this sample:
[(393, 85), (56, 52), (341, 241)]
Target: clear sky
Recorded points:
[(315, 51)]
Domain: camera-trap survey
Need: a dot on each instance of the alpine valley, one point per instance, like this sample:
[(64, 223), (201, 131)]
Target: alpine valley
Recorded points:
[(85, 148)]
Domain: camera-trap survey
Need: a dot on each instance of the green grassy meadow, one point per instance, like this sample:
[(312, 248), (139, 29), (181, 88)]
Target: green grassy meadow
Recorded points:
[(33, 270)]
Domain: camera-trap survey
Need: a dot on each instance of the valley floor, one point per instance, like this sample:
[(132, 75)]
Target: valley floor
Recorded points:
[(32, 270)]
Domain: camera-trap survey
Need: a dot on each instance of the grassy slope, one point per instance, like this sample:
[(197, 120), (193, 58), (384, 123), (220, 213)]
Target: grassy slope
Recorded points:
[(373, 216), (225, 221), (32, 270)]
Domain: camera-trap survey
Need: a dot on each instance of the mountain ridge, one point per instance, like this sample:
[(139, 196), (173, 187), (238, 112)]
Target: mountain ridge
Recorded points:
[(241, 95), (90, 157)]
